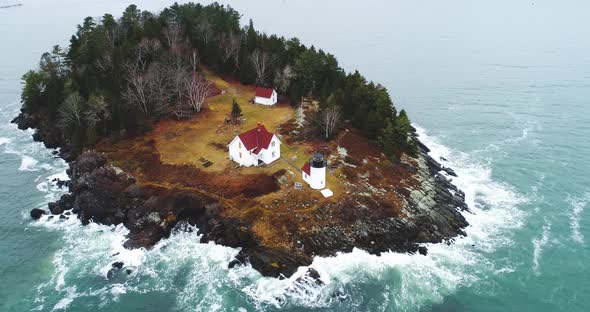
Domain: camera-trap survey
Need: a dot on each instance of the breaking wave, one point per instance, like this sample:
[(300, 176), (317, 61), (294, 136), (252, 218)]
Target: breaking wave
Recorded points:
[(198, 277), (4, 141), (539, 244), (577, 205)]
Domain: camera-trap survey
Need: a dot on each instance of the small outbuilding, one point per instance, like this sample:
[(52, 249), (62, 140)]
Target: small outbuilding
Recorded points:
[(265, 96), (255, 147), (314, 172)]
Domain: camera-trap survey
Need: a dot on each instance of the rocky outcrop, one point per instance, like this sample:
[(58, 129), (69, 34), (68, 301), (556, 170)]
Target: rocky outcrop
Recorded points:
[(45, 132), (36, 213), (102, 193)]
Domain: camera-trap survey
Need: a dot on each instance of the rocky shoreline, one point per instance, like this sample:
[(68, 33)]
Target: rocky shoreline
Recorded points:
[(103, 193)]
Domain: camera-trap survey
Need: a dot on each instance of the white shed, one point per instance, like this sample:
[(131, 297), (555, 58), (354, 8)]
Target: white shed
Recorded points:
[(265, 96)]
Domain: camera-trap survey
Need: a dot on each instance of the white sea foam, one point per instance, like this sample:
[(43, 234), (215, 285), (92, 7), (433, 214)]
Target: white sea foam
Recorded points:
[(4, 141), (28, 163), (198, 275), (538, 244), (414, 280), (65, 301), (577, 208)]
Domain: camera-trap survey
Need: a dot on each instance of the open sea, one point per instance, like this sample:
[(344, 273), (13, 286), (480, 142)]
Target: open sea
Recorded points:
[(501, 89)]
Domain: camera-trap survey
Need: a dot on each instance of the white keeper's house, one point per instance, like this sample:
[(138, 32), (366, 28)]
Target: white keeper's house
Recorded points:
[(255, 147), (265, 96)]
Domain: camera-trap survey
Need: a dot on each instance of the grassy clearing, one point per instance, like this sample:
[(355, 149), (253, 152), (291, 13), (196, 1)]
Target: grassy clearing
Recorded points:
[(206, 135), (171, 157)]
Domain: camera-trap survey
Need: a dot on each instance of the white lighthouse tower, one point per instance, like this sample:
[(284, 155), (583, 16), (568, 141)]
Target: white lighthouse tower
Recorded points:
[(314, 172)]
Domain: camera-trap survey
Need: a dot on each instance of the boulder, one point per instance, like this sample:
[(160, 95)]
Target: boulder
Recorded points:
[(36, 213), (115, 267), (423, 250), (55, 208)]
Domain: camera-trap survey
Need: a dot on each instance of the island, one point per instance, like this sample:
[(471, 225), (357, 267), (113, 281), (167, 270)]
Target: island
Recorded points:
[(185, 119)]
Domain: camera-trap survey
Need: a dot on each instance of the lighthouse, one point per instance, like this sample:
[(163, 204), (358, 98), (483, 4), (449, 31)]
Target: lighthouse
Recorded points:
[(314, 172)]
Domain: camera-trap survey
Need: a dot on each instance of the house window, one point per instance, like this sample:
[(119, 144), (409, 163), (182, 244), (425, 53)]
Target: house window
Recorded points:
[(240, 155), (272, 144), (239, 144), (273, 153)]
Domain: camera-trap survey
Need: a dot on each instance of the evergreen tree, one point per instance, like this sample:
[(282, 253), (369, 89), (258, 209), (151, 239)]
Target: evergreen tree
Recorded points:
[(236, 112), (251, 38)]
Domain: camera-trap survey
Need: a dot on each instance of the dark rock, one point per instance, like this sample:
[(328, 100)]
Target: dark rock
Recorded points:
[(342, 297), (115, 267), (36, 213), (311, 277), (423, 250), (55, 208), (449, 171), (62, 217), (275, 262), (25, 121), (101, 194), (404, 191)]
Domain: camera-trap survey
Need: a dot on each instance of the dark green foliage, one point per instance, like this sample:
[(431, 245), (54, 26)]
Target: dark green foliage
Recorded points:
[(104, 55), (236, 112), (31, 96)]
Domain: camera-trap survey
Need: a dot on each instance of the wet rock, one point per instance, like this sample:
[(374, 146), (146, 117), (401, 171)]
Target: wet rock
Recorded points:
[(311, 277), (36, 213), (115, 267), (423, 250), (55, 208), (103, 194), (449, 171)]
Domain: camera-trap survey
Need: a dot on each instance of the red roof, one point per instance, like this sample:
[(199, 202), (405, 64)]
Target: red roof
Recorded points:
[(305, 168), (264, 92), (256, 139)]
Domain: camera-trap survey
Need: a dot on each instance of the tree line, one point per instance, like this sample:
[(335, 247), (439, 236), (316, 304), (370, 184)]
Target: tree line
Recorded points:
[(118, 76)]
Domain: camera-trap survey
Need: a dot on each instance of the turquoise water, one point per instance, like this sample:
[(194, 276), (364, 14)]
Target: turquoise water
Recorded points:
[(500, 89)]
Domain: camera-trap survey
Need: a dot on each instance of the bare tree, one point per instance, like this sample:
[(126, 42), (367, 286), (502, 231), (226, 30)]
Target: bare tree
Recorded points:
[(204, 30), (177, 73), (147, 84), (136, 92), (144, 49), (112, 34), (105, 63), (173, 35), (197, 90), (261, 62), (230, 43), (329, 120), (159, 90), (70, 111), (194, 59), (283, 78), (97, 110)]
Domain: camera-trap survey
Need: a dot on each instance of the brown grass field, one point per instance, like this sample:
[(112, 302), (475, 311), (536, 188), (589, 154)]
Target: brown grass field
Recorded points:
[(170, 157)]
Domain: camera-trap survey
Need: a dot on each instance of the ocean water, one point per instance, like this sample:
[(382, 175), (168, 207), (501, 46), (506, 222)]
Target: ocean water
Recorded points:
[(500, 89)]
